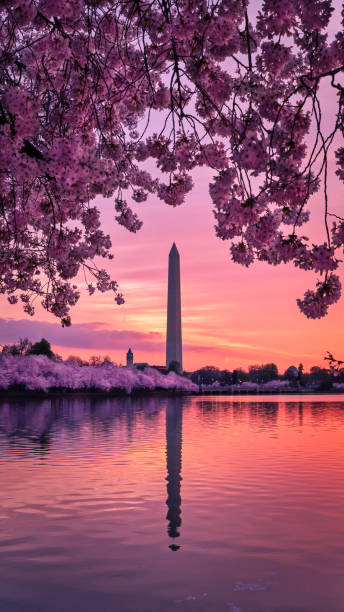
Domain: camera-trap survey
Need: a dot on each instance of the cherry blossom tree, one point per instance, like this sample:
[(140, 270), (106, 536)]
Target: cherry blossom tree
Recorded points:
[(84, 82), (39, 373)]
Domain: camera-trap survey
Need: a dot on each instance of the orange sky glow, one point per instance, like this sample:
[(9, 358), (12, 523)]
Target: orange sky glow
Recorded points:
[(232, 316)]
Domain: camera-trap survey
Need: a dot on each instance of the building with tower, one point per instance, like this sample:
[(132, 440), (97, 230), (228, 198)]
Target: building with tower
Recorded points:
[(130, 358)]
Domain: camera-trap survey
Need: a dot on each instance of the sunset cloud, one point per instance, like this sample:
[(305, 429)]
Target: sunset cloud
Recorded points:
[(94, 335)]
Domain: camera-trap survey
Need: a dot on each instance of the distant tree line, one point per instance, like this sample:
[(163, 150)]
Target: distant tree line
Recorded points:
[(25, 347), (317, 378)]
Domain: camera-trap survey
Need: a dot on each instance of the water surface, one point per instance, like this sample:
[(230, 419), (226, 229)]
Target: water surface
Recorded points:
[(160, 504)]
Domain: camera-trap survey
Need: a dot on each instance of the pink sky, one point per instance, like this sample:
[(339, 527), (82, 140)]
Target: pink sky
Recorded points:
[(232, 316)]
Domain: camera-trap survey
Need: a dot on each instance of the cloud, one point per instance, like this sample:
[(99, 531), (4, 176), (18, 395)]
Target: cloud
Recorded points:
[(96, 336), (92, 335)]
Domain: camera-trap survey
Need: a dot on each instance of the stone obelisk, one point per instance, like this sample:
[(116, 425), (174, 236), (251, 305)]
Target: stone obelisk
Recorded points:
[(174, 316)]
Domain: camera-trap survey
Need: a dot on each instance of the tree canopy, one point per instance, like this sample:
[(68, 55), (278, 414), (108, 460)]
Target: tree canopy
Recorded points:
[(83, 85), (25, 347), (43, 347)]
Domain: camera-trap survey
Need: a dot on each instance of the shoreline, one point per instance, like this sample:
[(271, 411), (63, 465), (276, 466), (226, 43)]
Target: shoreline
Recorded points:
[(22, 394)]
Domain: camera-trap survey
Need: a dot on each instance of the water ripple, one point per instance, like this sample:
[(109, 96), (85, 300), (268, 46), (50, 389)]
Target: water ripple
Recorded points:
[(153, 504)]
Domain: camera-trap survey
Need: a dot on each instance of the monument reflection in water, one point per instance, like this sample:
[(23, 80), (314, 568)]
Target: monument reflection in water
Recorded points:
[(174, 421), (35, 421)]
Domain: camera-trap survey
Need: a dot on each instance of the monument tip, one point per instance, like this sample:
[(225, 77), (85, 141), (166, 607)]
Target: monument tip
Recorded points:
[(173, 248)]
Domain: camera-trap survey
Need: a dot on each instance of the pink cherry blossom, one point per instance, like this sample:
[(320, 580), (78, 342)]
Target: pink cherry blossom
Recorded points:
[(38, 373), (81, 85), (315, 303)]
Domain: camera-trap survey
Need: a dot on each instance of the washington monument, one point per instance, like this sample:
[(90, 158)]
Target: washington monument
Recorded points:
[(174, 317)]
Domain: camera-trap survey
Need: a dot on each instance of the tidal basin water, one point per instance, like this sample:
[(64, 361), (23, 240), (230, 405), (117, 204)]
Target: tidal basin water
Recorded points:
[(172, 504)]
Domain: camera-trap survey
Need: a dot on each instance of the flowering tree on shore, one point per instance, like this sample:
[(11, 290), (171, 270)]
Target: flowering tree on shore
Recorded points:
[(39, 373), (83, 81)]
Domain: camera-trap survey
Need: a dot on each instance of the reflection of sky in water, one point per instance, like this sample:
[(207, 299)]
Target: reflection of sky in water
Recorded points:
[(151, 504)]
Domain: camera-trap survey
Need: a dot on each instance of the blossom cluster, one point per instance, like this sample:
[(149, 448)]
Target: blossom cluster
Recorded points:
[(38, 373), (315, 303), (80, 82)]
